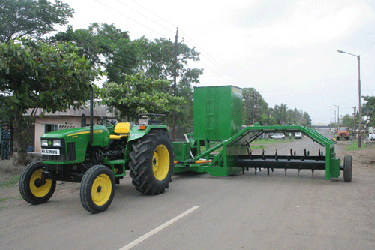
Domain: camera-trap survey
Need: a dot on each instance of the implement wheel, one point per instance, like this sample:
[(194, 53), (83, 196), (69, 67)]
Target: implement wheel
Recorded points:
[(347, 171), (33, 188), (152, 162), (97, 189)]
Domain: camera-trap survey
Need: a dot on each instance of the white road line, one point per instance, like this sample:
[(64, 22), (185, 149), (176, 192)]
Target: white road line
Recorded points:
[(158, 229)]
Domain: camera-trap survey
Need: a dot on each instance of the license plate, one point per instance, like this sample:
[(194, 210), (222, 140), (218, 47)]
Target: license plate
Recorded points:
[(50, 151)]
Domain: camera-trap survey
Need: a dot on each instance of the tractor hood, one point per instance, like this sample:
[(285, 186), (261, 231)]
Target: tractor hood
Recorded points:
[(101, 135)]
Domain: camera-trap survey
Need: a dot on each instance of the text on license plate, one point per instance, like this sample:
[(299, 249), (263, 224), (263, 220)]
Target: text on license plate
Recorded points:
[(50, 151)]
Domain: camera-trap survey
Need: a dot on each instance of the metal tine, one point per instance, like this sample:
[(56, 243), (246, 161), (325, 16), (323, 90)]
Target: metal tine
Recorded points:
[(276, 155), (285, 171), (263, 158), (304, 152), (308, 152), (268, 171)]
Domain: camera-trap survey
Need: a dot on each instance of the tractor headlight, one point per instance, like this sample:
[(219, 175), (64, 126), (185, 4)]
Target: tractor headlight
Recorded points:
[(56, 143), (44, 143)]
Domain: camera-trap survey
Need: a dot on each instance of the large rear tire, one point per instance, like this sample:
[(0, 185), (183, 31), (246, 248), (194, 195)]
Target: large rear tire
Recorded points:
[(33, 188), (97, 189), (152, 162), (347, 171)]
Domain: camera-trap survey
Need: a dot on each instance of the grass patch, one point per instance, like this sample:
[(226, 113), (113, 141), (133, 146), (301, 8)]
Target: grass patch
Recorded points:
[(11, 182), (6, 198), (354, 146)]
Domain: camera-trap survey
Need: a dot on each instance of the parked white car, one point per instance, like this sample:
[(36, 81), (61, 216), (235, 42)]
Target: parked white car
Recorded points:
[(278, 136), (371, 137), (298, 135)]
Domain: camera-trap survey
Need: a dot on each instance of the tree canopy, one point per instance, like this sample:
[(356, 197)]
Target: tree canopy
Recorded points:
[(140, 94), (368, 109), (32, 18), (39, 75)]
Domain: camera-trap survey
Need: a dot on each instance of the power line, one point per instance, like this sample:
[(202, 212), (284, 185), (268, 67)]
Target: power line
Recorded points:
[(131, 19), (203, 52), (144, 16)]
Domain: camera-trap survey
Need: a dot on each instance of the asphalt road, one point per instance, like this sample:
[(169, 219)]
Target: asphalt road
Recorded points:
[(205, 212)]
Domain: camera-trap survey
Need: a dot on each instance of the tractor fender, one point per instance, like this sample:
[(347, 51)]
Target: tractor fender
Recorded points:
[(137, 131)]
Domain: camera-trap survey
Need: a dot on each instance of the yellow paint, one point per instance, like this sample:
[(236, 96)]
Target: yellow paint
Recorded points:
[(122, 128), (101, 189), (117, 137), (160, 162), (85, 133), (42, 190)]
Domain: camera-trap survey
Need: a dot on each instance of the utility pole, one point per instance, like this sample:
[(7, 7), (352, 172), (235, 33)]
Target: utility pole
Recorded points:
[(359, 103), (338, 115), (359, 96), (354, 116), (175, 84)]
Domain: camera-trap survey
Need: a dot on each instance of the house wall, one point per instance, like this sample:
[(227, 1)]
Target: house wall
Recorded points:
[(40, 123)]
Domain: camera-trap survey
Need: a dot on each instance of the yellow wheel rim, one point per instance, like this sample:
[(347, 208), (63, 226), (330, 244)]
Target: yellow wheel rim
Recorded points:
[(160, 162), (101, 189), (42, 190)]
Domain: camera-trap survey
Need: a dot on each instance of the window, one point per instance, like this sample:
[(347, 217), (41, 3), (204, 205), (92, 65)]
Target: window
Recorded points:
[(50, 127)]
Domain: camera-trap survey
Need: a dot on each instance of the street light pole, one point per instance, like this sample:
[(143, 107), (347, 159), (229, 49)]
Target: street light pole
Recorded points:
[(338, 115), (359, 95)]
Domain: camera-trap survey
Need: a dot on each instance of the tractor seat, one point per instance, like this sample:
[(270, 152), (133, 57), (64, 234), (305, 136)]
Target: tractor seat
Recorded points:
[(122, 129)]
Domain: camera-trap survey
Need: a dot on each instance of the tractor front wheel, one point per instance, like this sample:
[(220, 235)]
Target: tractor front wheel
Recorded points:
[(152, 162), (33, 187), (97, 189)]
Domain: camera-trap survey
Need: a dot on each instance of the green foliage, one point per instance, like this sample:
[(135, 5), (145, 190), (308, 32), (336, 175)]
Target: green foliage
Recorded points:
[(369, 109), (347, 121), (96, 41), (39, 75), (140, 94), (255, 109), (31, 18), (154, 59)]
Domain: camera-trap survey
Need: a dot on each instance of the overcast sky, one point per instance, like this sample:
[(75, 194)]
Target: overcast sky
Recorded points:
[(285, 49)]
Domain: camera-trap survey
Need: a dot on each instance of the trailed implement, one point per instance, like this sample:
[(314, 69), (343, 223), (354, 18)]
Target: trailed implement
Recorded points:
[(226, 143)]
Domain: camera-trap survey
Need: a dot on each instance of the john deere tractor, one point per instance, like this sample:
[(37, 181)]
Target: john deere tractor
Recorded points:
[(98, 157)]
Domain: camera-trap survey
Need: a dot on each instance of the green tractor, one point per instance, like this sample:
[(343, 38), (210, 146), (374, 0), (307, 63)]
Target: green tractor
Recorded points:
[(98, 157)]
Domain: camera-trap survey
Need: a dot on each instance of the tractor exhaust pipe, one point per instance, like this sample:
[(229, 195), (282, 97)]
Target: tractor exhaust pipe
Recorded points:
[(91, 115)]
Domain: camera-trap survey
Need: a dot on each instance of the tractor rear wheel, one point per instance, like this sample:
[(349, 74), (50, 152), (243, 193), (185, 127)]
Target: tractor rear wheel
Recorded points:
[(347, 171), (152, 162), (97, 189), (33, 188)]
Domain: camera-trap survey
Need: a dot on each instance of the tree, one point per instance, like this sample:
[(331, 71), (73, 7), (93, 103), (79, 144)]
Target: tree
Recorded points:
[(140, 94), (347, 121), (40, 75), (255, 108), (34, 18), (368, 109), (98, 41)]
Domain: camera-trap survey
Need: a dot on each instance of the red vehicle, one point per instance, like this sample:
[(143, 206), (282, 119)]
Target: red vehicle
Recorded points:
[(343, 132)]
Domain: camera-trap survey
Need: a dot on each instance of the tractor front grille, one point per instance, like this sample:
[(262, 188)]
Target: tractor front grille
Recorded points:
[(61, 157), (71, 147)]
